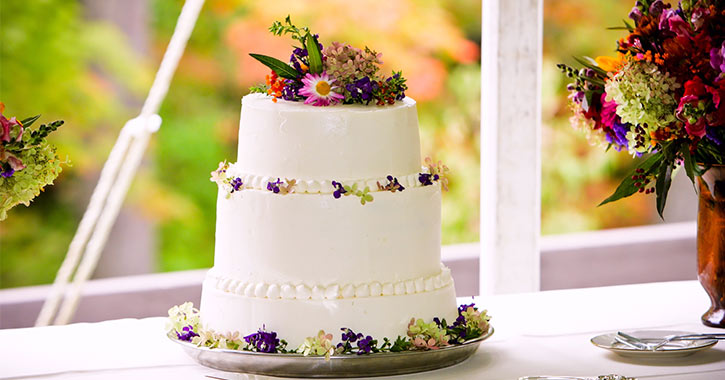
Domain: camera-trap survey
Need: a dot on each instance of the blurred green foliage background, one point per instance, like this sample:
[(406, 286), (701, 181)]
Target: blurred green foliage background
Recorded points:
[(55, 61)]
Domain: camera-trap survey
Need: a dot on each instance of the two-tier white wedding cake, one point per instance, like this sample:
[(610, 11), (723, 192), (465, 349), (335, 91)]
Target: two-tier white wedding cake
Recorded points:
[(296, 252)]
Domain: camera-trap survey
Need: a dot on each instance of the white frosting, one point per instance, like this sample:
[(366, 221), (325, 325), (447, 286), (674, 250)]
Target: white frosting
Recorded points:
[(296, 319), (305, 261), (332, 291), (294, 140), (317, 239)]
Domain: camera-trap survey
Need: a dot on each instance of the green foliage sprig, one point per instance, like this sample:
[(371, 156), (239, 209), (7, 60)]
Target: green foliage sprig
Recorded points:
[(363, 194), (299, 34)]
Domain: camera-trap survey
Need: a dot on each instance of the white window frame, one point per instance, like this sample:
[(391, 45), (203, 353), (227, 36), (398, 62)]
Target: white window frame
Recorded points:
[(511, 58)]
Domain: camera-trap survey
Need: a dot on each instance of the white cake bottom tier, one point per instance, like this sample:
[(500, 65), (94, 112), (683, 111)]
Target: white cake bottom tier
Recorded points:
[(294, 320), (266, 237)]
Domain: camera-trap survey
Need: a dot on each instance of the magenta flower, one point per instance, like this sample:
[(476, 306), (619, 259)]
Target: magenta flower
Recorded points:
[(319, 91), (717, 58)]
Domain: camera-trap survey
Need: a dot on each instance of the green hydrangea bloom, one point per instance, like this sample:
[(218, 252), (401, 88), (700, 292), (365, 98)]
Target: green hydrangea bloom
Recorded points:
[(645, 96), (320, 345), (426, 336), (42, 167)]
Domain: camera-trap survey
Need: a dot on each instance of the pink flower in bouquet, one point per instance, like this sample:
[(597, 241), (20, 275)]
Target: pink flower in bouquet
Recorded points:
[(717, 118), (717, 58), (670, 19), (691, 107), (319, 91), (7, 125)]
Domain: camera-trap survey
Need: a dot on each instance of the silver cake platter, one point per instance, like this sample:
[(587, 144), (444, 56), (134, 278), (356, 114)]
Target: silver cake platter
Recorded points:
[(297, 365)]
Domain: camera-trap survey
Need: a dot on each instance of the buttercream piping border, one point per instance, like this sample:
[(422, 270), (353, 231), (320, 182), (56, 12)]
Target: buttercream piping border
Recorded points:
[(259, 182), (333, 291)]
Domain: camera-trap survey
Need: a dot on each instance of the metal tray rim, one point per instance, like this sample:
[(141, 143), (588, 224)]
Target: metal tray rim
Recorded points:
[(349, 365)]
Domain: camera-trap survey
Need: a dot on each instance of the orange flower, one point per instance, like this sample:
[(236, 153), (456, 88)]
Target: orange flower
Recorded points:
[(610, 64)]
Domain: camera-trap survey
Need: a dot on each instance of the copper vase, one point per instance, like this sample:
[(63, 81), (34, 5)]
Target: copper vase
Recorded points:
[(711, 243)]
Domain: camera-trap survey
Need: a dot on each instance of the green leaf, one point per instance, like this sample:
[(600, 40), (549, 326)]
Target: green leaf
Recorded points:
[(627, 188), (662, 186), (282, 69), (29, 121), (591, 64), (628, 26), (314, 54), (690, 168)]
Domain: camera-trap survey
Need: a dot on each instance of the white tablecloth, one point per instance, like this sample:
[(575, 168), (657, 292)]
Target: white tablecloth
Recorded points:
[(536, 333)]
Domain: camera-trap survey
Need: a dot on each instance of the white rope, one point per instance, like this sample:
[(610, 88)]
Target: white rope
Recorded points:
[(116, 177)]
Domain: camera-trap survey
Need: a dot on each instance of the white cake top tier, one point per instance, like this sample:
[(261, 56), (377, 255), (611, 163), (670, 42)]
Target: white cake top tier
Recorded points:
[(293, 140)]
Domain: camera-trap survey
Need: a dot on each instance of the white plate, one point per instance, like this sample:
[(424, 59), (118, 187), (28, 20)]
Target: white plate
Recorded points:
[(677, 348)]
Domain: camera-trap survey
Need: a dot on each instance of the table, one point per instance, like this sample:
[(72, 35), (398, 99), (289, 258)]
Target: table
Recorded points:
[(536, 333)]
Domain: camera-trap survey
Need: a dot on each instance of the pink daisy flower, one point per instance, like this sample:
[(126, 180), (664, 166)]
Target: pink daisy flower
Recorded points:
[(319, 91)]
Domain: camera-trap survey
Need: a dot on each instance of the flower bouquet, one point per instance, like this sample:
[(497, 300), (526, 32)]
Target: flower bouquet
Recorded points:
[(323, 76), (27, 162), (661, 97)]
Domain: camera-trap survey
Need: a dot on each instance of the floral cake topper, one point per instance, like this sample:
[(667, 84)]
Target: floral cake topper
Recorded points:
[(323, 76)]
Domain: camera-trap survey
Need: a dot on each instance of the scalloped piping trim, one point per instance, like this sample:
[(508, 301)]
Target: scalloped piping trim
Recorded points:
[(333, 291), (258, 182)]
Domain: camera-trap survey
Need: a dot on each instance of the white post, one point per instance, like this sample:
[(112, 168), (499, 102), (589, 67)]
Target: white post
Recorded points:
[(510, 146)]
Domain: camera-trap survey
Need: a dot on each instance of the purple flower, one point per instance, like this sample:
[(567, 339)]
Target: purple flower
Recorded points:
[(236, 184), (349, 336), (393, 184), (618, 137), (300, 52), (636, 12), (465, 307), (710, 133), (438, 322), (339, 189), (425, 179), (263, 341), (671, 20), (717, 58), (295, 61), (7, 173), (362, 89), (274, 186), (186, 334), (656, 8), (365, 345), (291, 90)]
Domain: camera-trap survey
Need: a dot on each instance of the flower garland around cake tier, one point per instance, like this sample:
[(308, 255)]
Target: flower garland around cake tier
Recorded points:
[(323, 76), (229, 179), (184, 321)]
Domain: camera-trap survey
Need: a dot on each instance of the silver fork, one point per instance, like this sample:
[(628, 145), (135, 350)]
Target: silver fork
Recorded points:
[(638, 343), (669, 338)]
